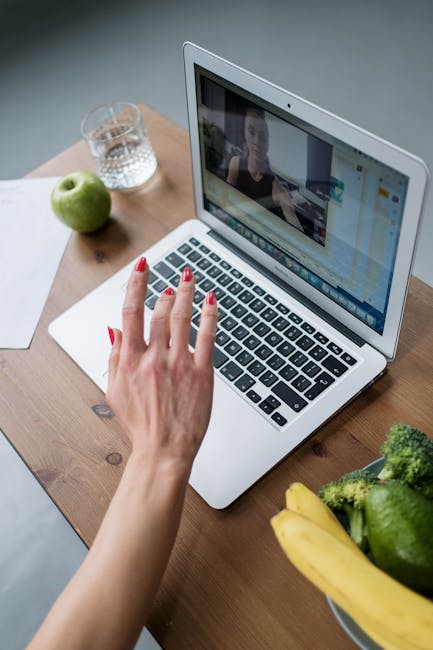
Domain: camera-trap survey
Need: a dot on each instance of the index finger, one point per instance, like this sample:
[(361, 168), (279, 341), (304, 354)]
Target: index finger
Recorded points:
[(204, 347), (133, 309)]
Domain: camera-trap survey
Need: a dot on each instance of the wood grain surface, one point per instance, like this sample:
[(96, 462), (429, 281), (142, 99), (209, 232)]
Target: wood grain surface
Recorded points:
[(228, 584)]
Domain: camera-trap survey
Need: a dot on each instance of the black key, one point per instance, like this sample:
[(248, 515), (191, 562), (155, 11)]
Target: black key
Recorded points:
[(184, 249), (206, 285), (251, 342), (196, 319), (175, 259), (285, 348), (279, 419), (273, 339), (282, 308), (219, 358), (204, 264), (318, 352), (232, 348), (322, 382), (231, 371), (334, 365), (263, 352), (225, 265), (229, 323), (268, 378), (163, 269), (288, 372), (269, 314), (192, 336), (273, 401), (275, 362), (289, 396), (256, 368), (245, 382), (292, 333), (280, 324), (321, 338), (228, 302), (198, 297), (247, 282), (152, 277), (224, 280), (151, 301), (348, 359), (215, 257), (160, 286), (334, 348), (305, 343), (246, 296), (193, 256), (194, 241), (301, 383), (175, 281), (198, 275), (222, 338), (311, 369), (239, 311), (250, 320), (270, 299), (254, 397), (244, 358), (308, 328), (261, 329), (235, 288), (221, 314), (257, 305), (204, 249), (236, 273), (298, 359), (214, 272), (219, 293), (295, 318), (258, 290), (240, 332), (266, 406)]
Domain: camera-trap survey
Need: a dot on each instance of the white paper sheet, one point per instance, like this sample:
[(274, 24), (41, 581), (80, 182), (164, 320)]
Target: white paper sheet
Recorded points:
[(32, 242)]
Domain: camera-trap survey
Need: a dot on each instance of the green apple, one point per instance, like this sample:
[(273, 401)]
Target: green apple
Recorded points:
[(81, 200)]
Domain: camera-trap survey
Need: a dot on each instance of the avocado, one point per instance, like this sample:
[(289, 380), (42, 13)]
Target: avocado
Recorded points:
[(400, 533)]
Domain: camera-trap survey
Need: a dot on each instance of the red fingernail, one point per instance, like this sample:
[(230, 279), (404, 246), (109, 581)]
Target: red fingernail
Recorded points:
[(111, 334), (186, 274), (141, 265), (168, 292), (211, 298)]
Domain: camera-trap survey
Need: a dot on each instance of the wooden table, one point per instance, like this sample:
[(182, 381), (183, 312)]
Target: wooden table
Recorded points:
[(228, 584)]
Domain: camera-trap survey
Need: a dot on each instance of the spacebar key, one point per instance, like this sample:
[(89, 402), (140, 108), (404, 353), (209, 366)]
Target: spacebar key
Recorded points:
[(289, 396)]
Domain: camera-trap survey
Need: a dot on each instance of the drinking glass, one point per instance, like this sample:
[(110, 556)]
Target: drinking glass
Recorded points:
[(119, 142)]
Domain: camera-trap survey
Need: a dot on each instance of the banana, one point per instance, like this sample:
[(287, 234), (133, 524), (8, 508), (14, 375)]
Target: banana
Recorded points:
[(302, 500), (393, 615)]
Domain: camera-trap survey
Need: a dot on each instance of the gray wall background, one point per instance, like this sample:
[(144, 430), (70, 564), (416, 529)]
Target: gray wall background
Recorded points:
[(370, 62)]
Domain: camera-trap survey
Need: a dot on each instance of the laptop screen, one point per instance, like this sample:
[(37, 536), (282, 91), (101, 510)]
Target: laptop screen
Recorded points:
[(327, 211)]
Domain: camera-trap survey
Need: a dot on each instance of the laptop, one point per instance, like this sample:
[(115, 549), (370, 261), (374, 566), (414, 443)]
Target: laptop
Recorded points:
[(305, 228)]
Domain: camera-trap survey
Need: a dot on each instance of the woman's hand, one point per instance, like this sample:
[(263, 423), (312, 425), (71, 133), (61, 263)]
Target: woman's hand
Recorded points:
[(161, 391)]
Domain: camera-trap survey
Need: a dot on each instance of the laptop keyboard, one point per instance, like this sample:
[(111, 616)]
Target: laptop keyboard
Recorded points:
[(277, 360)]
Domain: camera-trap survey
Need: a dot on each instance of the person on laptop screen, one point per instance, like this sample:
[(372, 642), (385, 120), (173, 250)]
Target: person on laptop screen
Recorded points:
[(252, 174)]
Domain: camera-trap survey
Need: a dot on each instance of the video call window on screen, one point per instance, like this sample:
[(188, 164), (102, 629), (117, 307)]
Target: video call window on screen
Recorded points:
[(279, 166)]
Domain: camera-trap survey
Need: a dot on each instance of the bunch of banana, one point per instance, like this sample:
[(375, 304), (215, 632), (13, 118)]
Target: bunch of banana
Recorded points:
[(313, 539)]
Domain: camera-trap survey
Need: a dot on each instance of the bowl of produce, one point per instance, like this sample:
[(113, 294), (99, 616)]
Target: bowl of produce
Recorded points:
[(366, 542)]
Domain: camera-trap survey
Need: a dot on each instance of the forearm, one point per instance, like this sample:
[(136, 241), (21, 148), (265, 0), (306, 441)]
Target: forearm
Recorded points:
[(108, 600)]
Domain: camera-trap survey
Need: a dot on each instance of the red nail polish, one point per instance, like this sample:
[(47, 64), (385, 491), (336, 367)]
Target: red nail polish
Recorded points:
[(168, 292), (111, 334), (211, 298), (141, 265), (186, 274)]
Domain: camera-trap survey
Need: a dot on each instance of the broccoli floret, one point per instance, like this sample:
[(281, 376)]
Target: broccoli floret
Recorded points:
[(348, 494), (408, 455)]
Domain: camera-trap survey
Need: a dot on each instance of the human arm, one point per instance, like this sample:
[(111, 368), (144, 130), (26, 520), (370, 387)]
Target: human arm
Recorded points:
[(282, 199), (233, 173), (162, 394)]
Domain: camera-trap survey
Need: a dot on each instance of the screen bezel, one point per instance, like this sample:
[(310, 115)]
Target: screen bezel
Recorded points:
[(392, 156)]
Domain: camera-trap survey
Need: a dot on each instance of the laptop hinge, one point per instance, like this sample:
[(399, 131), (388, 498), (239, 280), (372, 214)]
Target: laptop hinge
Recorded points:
[(333, 322)]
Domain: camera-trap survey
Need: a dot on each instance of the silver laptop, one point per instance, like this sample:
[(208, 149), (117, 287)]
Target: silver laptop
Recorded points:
[(306, 229)]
